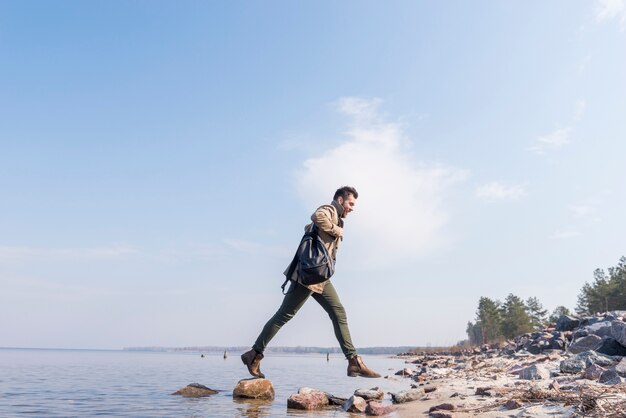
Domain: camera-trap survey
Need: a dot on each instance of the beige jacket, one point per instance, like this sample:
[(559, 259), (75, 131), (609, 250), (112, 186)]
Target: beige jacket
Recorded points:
[(329, 224)]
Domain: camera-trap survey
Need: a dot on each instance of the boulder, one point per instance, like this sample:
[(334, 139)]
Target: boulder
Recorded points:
[(618, 331), (591, 357), (377, 409), (370, 394), (254, 389), (617, 314), (306, 390), (335, 400), (590, 342), (355, 404), (572, 365), (534, 372), (513, 404), (610, 377), (532, 347), (484, 391), (620, 368), (405, 372), (611, 347), (593, 372), (407, 395), (601, 329), (308, 399), (567, 323), (590, 320), (443, 407), (195, 390), (579, 333), (580, 361)]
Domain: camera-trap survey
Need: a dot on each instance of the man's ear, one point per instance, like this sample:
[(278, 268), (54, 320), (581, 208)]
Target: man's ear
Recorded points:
[(340, 200)]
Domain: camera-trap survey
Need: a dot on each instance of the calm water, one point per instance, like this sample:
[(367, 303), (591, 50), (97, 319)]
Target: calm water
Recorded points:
[(61, 383)]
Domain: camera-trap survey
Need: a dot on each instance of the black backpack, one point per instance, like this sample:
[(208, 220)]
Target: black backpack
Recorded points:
[(311, 263)]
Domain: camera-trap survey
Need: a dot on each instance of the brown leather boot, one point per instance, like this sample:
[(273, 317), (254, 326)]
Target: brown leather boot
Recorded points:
[(252, 359), (356, 367)]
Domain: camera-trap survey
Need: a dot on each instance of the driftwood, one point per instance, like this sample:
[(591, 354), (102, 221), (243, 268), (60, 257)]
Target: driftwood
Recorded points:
[(589, 401)]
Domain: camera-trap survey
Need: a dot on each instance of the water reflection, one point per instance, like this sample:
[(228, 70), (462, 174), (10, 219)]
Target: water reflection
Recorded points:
[(252, 408)]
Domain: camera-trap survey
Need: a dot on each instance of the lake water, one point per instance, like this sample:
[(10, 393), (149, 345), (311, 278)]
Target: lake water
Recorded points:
[(65, 383)]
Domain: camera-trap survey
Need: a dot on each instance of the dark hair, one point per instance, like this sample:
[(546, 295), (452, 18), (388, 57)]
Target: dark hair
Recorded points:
[(345, 191)]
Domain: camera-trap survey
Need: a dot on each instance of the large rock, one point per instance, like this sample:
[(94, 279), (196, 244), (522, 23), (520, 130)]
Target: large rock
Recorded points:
[(405, 372), (601, 329), (593, 372), (308, 399), (580, 361), (195, 390), (618, 331), (572, 365), (620, 368), (377, 409), (254, 389), (567, 323), (590, 342), (369, 394), (611, 347), (335, 400), (407, 395), (591, 357), (557, 341), (610, 377), (534, 372), (513, 404), (355, 404), (443, 407)]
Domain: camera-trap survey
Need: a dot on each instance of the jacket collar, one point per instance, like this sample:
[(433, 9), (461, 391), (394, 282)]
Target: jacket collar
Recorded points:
[(338, 207)]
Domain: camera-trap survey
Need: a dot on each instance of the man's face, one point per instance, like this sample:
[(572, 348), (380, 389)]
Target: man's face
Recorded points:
[(347, 204)]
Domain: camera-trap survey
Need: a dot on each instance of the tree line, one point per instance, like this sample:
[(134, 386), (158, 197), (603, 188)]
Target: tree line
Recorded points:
[(496, 320)]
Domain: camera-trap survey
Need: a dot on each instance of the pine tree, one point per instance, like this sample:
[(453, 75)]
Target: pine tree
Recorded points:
[(490, 319), (515, 318), (606, 293), (536, 313), (474, 333)]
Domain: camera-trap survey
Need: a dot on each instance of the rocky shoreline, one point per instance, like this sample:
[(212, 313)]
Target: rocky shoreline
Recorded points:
[(574, 369), (577, 368)]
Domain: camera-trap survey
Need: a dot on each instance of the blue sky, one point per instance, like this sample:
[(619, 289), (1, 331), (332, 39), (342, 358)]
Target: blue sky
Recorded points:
[(158, 161)]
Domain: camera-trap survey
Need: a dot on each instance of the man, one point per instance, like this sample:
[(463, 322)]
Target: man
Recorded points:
[(329, 222)]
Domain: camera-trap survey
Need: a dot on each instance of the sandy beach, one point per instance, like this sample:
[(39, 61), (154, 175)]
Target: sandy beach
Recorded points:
[(491, 386)]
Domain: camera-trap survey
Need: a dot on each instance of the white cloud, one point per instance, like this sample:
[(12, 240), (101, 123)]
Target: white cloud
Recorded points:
[(552, 141), (400, 212), (585, 211), (498, 191), (610, 9)]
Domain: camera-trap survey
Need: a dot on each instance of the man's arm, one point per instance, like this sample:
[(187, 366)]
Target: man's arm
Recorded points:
[(322, 219)]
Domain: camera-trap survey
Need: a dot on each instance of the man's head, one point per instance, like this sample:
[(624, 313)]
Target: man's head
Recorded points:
[(346, 196)]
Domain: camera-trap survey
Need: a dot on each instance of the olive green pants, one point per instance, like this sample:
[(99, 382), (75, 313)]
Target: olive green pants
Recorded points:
[(293, 301)]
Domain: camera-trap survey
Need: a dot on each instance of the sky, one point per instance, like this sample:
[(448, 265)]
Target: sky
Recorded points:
[(159, 160)]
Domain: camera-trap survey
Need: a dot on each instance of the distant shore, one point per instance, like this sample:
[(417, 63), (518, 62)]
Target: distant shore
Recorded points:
[(278, 350)]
